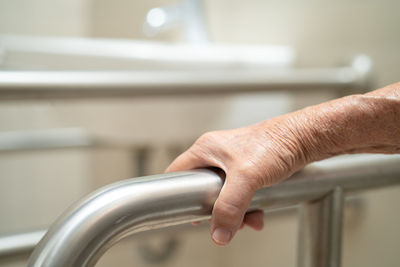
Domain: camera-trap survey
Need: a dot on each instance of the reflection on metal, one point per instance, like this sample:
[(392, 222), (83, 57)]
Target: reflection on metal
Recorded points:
[(78, 84), (19, 243), (354, 205), (6, 251), (82, 235), (44, 139), (321, 231)]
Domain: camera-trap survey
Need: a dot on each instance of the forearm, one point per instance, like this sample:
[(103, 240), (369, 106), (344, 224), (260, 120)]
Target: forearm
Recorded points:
[(266, 153), (359, 123), (367, 123)]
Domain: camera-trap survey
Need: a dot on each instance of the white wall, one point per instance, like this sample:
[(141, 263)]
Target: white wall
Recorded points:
[(45, 17), (324, 33)]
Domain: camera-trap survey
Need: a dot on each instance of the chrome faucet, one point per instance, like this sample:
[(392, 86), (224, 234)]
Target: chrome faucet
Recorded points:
[(189, 12)]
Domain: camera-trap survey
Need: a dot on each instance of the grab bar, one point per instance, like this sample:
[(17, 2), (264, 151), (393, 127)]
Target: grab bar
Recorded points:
[(91, 226), (16, 85), (16, 244)]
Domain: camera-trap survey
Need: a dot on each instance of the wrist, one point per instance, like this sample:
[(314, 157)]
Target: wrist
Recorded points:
[(324, 130), (352, 124), (290, 138)]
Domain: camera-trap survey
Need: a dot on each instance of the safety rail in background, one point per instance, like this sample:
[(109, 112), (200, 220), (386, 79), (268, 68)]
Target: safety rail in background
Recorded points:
[(16, 85), (79, 84), (82, 235), (21, 243)]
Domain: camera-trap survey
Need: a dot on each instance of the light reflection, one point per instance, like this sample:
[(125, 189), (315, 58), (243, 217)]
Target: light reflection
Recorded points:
[(156, 17)]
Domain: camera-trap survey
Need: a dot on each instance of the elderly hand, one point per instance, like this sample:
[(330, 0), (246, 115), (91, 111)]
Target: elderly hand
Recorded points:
[(251, 157), (268, 152)]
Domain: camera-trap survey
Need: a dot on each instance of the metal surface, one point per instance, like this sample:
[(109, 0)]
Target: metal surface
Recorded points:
[(77, 84), (118, 68), (12, 248), (94, 224), (320, 234), (19, 243)]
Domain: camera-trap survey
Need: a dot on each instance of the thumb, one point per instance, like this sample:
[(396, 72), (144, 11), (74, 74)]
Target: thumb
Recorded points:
[(229, 209)]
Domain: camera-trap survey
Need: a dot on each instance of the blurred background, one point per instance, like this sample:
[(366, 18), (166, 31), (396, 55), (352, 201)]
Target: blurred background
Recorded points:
[(178, 62)]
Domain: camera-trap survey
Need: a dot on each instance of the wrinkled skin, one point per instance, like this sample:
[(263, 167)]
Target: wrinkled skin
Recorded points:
[(268, 152)]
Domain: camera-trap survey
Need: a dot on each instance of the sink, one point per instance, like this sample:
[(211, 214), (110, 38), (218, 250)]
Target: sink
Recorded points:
[(64, 67), (65, 53)]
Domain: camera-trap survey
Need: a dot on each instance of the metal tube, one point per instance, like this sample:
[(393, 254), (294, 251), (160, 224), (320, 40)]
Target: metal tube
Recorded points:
[(11, 248), (19, 243), (94, 224), (81, 84), (320, 235)]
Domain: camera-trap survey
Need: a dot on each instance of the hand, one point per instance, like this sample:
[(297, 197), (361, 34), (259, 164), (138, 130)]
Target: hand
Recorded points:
[(268, 152), (251, 157)]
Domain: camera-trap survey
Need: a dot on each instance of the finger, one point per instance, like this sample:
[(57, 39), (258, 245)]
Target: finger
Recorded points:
[(195, 223), (229, 210), (186, 161), (255, 220)]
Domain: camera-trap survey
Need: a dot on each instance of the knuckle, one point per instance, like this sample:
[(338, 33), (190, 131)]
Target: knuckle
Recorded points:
[(212, 145), (246, 169), (253, 175), (207, 137)]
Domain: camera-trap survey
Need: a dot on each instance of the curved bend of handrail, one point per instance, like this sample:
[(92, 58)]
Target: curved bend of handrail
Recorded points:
[(82, 235)]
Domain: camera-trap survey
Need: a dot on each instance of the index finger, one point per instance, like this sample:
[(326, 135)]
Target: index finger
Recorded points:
[(187, 161)]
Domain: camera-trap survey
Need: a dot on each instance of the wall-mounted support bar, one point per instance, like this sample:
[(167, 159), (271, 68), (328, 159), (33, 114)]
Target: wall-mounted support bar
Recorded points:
[(82, 235), (19, 243), (16, 85), (320, 234)]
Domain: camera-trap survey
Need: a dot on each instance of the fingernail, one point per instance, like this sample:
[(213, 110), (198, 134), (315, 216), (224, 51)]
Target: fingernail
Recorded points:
[(222, 236)]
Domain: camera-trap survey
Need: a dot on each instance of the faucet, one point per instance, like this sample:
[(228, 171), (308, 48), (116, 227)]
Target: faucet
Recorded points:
[(188, 12)]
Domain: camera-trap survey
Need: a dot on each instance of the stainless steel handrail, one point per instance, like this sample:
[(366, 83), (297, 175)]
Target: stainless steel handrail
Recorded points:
[(94, 224), (25, 242), (16, 85)]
